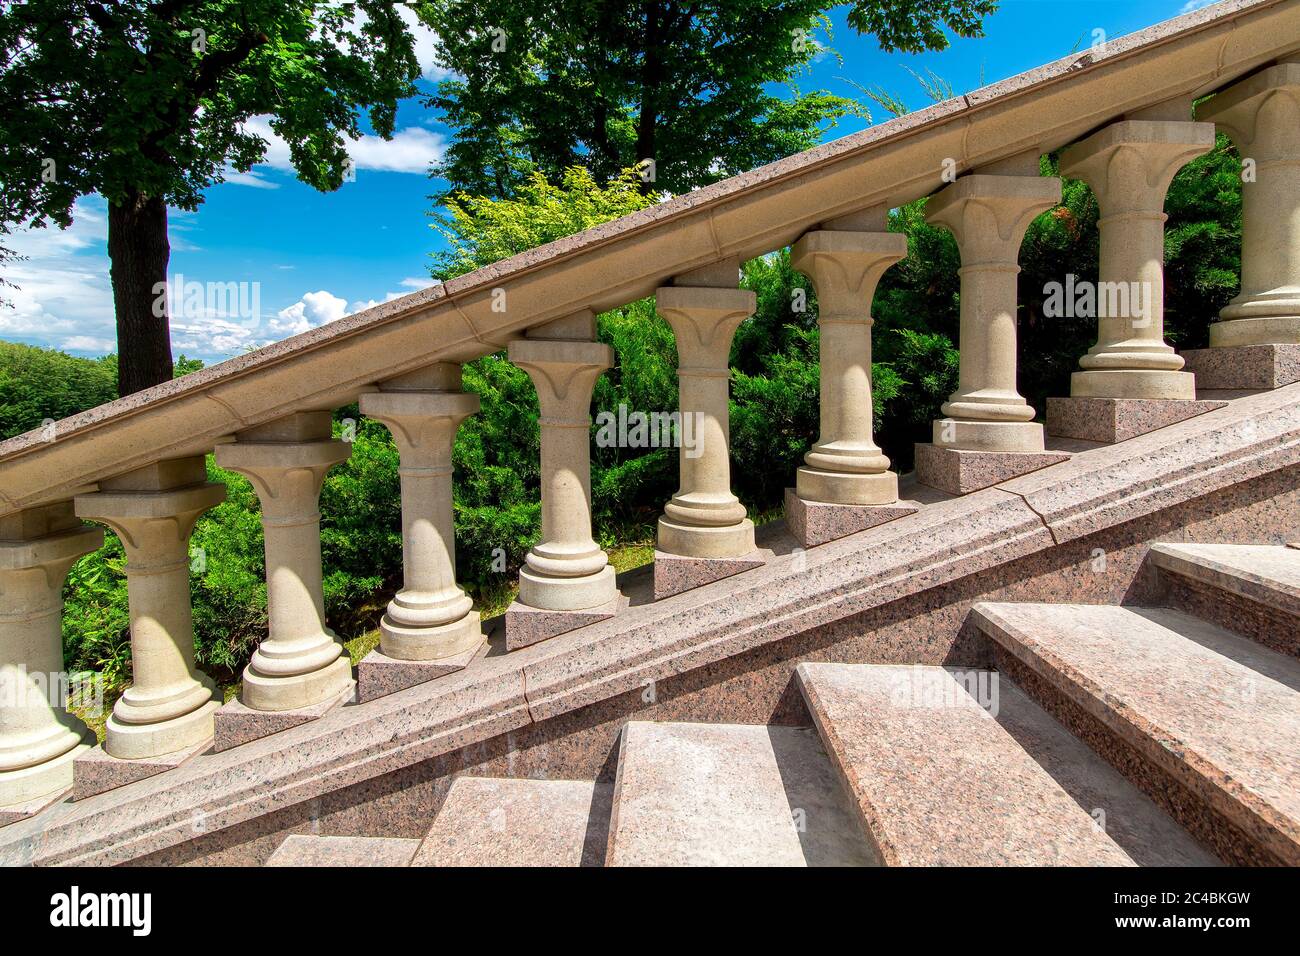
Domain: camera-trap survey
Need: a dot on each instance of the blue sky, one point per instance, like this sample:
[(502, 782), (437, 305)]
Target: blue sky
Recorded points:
[(316, 257)]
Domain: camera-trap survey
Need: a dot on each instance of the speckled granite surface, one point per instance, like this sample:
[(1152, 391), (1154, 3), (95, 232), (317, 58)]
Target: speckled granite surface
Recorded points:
[(944, 785), (304, 850), (959, 472), (1244, 366), (21, 811), (237, 724), (1111, 420), (1267, 574), (729, 795), (379, 675), (1210, 708), (816, 522), (95, 771), (505, 822), (675, 573), (526, 625)]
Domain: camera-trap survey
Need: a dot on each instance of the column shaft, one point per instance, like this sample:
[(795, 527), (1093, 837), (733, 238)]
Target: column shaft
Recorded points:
[(989, 214), (299, 662), (430, 618), (38, 737)]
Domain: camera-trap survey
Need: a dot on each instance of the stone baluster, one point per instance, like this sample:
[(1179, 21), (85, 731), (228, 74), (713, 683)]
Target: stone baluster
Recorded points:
[(704, 520), (1129, 166), (299, 664), (431, 618), (566, 570), (169, 706), (988, 213), (846, 465), (1262, 115), (39, 739)]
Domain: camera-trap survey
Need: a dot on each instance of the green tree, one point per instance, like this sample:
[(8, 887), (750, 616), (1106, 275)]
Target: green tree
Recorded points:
[(548, 84), (145, 103)]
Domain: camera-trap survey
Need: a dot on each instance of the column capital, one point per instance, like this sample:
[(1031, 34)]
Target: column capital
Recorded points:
[(1130, 164), (989, 213), (153, 526), (704, 319), (286, 474), (845, 268), (1265, 102), (423, 423), (564, 373)]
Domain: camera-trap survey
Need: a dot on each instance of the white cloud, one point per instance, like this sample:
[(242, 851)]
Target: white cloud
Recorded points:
[(1191, 5), (426, 43), (312, 310), (411, 150), (249, 178)]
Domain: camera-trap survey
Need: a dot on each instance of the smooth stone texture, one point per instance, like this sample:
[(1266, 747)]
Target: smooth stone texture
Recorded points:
[(237, 723), (959, 472), (944, 784), (21, 811), (816, 522), (729, 795), (1214, 710), (1110, 420), (302, 850), (675, 573), (379, 675), (1245, 366), (526, 625), (509, 822), (97, 771)]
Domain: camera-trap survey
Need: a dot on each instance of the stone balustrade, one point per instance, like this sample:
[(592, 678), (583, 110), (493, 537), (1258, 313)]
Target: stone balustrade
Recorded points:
[(987, 429)]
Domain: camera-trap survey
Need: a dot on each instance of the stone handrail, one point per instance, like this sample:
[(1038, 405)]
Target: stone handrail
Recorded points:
[(1125, 112)]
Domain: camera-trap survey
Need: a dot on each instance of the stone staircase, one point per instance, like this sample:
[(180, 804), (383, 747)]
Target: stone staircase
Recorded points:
[(1107, 735)]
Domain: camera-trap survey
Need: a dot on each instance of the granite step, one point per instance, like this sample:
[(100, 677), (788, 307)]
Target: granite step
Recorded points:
[(489, 821), (305, 850), (729, 795), (937, 781), (1253, 589), (1205, 721)]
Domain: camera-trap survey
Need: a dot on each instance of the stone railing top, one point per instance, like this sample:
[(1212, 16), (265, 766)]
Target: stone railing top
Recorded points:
[(618, 262)]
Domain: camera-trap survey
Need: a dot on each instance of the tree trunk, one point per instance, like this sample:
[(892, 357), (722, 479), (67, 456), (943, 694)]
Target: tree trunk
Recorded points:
[(138, 252)]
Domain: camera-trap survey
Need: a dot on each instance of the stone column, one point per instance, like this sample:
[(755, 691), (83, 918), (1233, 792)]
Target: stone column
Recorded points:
[(704, 519), (989, 213), (1129, 166), (299, 662), (567, 570), (846, 465), (430, 618), (1262, 115), (169, 705), (38, 737)]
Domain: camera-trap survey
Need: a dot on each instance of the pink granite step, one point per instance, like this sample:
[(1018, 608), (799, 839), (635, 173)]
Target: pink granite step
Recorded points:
[(487, 821), (1204, 720), (1253, 589), (937, 780), (729, 795), (305, 850)]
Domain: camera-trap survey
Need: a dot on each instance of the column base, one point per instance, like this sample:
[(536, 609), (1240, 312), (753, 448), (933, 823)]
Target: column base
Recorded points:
[(1133, 383), (696, 541), (379, 675), (840, 488), (816, 522), (444, 642), (270, 694), (1111, 420), (526, 625), (1245, 366), (968, 435), (237, 723), (125, 741), (675, 573), (28, 791), (1265, 330), (546, 592), (98, 771), (959, 471)]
